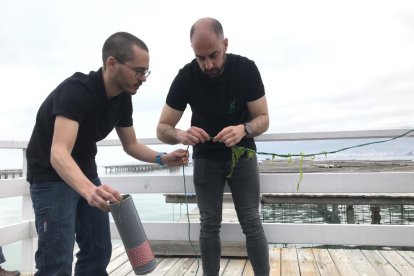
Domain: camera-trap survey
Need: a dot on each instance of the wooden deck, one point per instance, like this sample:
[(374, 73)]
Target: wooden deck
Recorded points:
[(286, 261)]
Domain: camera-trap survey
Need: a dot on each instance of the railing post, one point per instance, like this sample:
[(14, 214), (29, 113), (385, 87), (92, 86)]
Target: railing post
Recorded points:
[(29, 246), (350, 214)]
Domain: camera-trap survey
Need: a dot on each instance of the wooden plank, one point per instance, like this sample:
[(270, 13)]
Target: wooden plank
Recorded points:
[(117, 250), (117, 262), (274, 261), (272, 137), (223, 265), (181, 266), (334, 166), (122, 270), (184, 248), (289, 262), (234, 267), (364, 182), (407, 255), (339, 198), (381, 265), (13, 144), (342, 262), (357, 234), (326, 265), (132, 273), (399, 263), (14, 232), (164, 266), (362, 265), (196, 269), (14, 187), (191, 198), (248, 269), (307, 262)]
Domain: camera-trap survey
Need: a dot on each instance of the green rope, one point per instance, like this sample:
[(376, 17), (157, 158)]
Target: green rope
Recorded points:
[(237, 152), (335, 151)]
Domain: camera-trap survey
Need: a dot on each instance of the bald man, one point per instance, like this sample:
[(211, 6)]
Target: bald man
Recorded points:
[(229, 108)]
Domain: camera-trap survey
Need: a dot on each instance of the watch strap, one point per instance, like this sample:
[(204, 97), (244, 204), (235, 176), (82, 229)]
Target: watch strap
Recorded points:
[(158, 159)]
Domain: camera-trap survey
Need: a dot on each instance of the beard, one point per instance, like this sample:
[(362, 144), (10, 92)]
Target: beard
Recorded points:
[(216, 72), (126, 85)]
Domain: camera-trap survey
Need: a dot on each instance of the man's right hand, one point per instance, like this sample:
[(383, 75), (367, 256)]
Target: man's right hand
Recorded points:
[(101, 195), (192, 136)]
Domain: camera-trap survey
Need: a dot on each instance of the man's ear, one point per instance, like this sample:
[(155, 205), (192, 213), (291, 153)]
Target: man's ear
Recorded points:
[(226, 44), (111, 63)]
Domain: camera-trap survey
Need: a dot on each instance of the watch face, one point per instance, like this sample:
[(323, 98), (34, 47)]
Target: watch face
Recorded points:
[(248, 128)]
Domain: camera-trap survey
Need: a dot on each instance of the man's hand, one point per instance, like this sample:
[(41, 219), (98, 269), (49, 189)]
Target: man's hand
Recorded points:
[(101, 195), (176, 158), (230, 135), (192, 136)]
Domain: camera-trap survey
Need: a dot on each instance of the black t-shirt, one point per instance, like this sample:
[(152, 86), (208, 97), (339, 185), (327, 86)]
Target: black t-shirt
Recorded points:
[(217, 102), (81, 98)]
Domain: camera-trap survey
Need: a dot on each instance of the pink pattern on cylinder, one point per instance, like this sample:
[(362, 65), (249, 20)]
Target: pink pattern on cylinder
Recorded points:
[(140, 255)]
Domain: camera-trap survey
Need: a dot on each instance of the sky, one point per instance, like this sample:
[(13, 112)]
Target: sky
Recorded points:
[(326, 65)]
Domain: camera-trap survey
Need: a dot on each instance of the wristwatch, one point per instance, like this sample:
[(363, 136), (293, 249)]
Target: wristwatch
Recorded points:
[(158, 159), (248, 129)]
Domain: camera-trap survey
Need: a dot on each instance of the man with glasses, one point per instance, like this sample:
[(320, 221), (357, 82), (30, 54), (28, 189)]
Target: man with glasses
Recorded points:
[(229, 108), (139, 71), (69, 200)]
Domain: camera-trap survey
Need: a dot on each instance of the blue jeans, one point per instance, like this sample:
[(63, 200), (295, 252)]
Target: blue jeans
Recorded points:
[(2, 259), (209, 180), (60, 215)]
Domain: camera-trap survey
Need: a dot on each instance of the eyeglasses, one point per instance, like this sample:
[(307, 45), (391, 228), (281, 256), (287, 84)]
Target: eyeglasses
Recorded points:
[(139, 71)]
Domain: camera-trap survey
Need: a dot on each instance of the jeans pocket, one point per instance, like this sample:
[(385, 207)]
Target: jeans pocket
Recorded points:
[(47, 224)]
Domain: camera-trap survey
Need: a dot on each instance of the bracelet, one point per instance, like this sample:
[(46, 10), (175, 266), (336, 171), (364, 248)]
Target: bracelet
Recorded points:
[(158, 158)]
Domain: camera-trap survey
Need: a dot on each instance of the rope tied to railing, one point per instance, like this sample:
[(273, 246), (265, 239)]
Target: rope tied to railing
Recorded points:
[(237, 152)]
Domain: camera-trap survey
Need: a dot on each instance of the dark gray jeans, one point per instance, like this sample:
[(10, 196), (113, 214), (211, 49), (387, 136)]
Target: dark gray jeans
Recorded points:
[(209, 180)]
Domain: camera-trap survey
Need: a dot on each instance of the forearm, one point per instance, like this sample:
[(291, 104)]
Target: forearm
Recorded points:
[(70, 172), (167, 134), (141, 152), (259, 125)]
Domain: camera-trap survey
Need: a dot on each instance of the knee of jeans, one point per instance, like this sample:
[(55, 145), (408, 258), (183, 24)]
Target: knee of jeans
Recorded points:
[(251, 224), (210, 226)]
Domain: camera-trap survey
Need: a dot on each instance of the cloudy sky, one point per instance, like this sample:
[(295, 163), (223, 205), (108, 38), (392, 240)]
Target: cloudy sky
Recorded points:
[(326, 65)]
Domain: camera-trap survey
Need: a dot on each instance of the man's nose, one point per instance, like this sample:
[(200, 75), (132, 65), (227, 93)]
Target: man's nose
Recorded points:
[(208, 64)]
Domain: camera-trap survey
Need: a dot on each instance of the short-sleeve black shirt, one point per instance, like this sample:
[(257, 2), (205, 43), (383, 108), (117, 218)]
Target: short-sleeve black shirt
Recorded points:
[(217, 102), (82, 98)]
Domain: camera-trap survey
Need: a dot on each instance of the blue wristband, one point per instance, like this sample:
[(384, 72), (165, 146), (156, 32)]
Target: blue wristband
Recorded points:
[(158, 158)]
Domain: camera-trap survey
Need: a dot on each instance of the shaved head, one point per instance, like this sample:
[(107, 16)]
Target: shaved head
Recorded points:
[(209, 46), (206, 26)]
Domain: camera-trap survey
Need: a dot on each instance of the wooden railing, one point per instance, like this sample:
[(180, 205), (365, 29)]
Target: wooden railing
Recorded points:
[(298, 233)]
